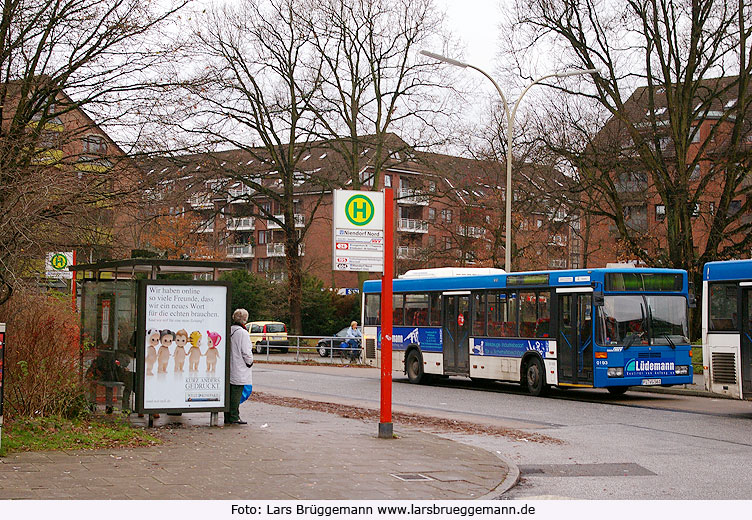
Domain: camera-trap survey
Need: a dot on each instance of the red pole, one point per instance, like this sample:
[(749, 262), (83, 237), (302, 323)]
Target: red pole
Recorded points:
[(386, 429), (73, 284)]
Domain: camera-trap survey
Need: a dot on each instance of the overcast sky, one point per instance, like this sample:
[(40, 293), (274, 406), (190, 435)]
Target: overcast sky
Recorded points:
[(476, 24)]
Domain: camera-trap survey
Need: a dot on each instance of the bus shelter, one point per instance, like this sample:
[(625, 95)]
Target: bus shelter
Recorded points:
[(154, 334)]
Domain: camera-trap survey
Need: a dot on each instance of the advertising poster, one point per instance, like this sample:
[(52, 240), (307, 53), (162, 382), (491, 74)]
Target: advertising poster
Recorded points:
[(183, 358)]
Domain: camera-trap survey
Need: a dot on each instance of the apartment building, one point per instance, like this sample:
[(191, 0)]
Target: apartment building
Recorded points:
[(446, 210), (715, 161), (80, 188)]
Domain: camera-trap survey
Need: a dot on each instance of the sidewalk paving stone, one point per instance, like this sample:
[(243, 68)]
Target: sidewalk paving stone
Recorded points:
[(283, 454)]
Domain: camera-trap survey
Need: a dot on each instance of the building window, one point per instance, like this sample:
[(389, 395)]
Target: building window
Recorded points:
[(263, 236), (694, 133), (94, 144), (636, 217), (712, 208), (431, 240), (696, 210), (431, 214), (387, 181), (660, 212), (366, 177), (447, 243), (264, 265), (446, 215), (695, 175), (734, 207), (539, 223), (431, 186)]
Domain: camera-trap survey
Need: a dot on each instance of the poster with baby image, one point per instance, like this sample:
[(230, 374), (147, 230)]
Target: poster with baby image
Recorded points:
[(183, 362)]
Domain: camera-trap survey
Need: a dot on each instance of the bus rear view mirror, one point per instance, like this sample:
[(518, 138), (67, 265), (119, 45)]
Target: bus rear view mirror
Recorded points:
[(691, 300)]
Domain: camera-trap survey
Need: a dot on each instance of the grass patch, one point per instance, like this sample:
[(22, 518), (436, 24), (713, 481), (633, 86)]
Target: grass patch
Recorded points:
[(697, 359), (56, 433)]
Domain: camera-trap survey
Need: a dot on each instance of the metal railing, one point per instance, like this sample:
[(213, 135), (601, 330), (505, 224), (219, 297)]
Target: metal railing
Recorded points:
[(327, 349)]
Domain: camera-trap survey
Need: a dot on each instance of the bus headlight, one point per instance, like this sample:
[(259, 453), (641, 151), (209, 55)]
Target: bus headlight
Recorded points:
[(681, 370), (615, 372)]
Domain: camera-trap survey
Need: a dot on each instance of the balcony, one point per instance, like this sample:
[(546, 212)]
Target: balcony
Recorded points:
[(299, 221), (201, 201), (412, 196), (206, 227), (410, 225), (408, 253), (238, 195), (279, 250), (240, 251), (240, 224), (471, 231)]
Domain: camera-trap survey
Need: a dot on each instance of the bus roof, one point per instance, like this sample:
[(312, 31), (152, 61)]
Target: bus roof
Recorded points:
[(564, 278), (727, 270)]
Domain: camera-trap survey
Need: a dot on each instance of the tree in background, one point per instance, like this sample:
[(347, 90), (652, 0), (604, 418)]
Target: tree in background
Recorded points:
[(259, 83), (178, 236), (373, 85), (671, 107), (323, 313), (57, 58)]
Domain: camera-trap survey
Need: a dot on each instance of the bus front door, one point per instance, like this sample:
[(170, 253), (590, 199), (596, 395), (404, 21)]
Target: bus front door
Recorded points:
[(746, 342), (575, 339), (456, 334)]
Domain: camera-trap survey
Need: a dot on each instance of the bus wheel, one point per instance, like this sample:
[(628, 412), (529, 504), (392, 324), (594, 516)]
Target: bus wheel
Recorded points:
[(534, 376), (617, 390), (414, 366)]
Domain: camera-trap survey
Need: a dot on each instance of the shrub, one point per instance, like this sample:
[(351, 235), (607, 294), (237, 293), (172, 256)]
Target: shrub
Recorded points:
[(41, 357)]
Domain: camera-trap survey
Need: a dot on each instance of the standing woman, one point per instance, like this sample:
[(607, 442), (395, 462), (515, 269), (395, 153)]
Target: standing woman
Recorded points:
[(241, 361)]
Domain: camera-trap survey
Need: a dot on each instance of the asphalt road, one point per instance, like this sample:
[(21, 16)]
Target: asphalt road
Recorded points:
[(636, 446)]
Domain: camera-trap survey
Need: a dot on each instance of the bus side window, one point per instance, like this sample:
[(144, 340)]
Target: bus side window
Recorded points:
[(497, 305), (723, 307), (372, 310), (510, 319), (398, 309), (528, 314), (543, 325), (416, 309), (435, 318), (479, 314)]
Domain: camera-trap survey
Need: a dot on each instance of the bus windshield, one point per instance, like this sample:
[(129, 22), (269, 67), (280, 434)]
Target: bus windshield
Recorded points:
[(643, 320)]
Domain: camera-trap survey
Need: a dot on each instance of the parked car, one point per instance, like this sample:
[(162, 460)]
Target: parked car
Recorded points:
[(268, 333), (325, 345)]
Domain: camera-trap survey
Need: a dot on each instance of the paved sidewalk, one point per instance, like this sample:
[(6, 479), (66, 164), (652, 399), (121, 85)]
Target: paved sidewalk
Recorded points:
[(697, 388), (283, 453)]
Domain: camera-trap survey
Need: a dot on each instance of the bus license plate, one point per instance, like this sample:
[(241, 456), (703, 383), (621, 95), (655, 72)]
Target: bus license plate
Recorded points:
[(651, 382)]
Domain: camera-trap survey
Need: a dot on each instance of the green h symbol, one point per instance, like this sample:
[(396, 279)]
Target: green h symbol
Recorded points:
[(360, 208), (357, 210)]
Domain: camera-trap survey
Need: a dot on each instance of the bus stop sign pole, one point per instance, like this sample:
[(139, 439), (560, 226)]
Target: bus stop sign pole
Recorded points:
[(386, 428)]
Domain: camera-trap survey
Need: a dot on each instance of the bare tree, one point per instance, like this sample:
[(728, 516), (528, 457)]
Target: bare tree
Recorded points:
[(58, 57), (372, 83), (256, 95), (674, 100)]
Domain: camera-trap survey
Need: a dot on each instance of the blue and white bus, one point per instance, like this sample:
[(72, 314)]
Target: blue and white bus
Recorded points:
[(591, 328), (727, 327)]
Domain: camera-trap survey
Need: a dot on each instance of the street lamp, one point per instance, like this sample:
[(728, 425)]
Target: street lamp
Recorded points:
[(510, 131)]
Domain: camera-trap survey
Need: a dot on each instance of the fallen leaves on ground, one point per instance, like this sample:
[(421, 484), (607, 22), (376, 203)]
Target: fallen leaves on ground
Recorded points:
[(410, 419)]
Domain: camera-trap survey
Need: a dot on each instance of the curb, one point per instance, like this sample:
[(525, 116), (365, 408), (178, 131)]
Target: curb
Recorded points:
[(512, 479), (679, 391)]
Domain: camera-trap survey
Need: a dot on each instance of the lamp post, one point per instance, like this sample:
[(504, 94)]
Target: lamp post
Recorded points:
[(510, 130)]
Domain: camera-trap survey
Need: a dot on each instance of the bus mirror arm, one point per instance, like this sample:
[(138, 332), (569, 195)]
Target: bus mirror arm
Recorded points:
[(598, 299)]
